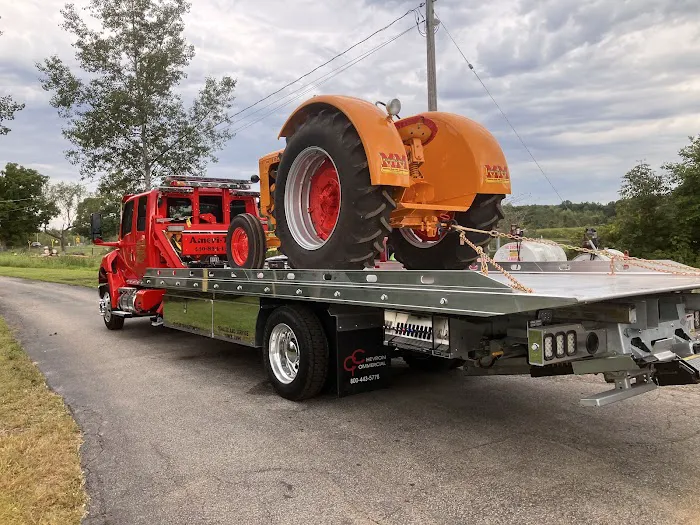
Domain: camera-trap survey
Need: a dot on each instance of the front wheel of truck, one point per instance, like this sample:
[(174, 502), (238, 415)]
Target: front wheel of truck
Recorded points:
[(112, 322)]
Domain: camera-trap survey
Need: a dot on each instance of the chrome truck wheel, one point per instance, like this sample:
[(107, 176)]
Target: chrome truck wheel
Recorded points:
[(295, 352), (112, 322), (284, 353)]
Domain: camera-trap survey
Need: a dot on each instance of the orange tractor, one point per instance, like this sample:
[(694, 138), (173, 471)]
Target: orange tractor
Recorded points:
[(353, 175)]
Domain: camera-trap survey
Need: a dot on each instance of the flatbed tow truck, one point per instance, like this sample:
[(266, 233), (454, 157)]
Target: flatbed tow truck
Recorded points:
[(191, 256), (637, 327)]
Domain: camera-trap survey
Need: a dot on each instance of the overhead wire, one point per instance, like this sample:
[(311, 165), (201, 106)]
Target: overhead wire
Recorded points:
[(16, 200), (226, 121), (306, 88), (471, 67), (338, 55)]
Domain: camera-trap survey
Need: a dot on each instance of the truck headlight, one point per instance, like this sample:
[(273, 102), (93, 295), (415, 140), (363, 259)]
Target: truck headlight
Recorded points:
[(571, 343), (561, 344), (548, 347)]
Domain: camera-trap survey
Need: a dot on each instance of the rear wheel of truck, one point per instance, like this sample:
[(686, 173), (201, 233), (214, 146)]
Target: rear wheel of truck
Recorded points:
[(417, 251), (112, 322), (328, 213), (245, 242), (295, 352)]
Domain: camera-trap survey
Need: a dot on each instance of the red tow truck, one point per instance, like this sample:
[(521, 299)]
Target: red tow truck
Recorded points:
[(186, 223)]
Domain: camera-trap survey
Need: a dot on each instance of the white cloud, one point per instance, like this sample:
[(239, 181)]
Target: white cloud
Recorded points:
[(591, 85)]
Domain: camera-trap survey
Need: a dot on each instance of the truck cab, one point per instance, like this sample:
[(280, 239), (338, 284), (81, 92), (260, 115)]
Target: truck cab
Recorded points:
[(184, 223)]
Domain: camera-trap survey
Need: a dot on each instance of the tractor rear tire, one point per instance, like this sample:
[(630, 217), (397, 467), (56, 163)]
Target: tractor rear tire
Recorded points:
[(328, 213), (245, 242), (447, 253)]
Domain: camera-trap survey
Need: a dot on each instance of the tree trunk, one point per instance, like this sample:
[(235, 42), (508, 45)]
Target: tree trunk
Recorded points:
[(146, 159), (63, 241)]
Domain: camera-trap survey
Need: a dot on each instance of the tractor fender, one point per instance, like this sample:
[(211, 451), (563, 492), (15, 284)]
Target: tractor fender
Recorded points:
[(386, 155), (463, 159)]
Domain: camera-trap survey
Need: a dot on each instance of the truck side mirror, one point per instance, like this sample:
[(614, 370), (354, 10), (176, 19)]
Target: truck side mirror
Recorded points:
[(96, 226)]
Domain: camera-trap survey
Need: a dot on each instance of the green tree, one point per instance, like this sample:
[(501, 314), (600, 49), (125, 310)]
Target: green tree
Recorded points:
[(110, 210), (645, 214), (685, 200), (8, 108), (24, 208), (125, 120), (66, 196)]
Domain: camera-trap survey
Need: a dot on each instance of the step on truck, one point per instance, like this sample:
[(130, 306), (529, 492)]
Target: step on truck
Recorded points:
[(353, 182)]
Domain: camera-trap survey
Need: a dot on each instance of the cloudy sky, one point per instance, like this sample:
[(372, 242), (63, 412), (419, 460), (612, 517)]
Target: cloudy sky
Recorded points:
[(592, 86)]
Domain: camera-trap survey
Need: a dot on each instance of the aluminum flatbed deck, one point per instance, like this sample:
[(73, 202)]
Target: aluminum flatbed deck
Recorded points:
[(470, 293)]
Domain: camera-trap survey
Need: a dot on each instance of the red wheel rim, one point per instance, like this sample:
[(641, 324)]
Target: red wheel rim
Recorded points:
[(324, 199), (239, 246)]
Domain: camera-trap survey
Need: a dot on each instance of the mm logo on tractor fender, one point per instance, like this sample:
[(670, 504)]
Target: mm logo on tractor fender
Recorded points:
[(394, 163), (496, 173)]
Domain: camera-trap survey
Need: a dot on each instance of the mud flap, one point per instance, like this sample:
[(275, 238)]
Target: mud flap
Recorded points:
[(361, 361)]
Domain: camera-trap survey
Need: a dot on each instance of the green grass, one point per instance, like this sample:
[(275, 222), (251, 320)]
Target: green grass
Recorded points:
[(64, 269), (23, 260), (40, 476), (73, 276)]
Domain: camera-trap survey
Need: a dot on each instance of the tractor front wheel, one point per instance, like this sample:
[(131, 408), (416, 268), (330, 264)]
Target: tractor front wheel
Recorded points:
[(245, 242), (416, 251), (328, 213)]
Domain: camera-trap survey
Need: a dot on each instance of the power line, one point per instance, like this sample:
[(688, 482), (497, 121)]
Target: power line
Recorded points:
[(17, 200), (330, 60), (210, 127), (306, 88), (501, 110)]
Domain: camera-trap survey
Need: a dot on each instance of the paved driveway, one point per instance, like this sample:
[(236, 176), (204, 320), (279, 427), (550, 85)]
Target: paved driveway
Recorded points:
[(183, 430)]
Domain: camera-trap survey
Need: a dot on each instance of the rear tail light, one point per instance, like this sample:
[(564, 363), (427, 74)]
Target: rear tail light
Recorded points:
[(571, 343), (561, 344), (548, 347)]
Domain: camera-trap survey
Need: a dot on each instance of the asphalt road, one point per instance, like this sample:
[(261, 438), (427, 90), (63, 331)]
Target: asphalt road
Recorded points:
[(183, 430)]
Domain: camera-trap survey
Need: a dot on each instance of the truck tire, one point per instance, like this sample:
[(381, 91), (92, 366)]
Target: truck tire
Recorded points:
[(295, 352), (430, 363), (245, 242), (112, 322), (328, 213), (416, 252)]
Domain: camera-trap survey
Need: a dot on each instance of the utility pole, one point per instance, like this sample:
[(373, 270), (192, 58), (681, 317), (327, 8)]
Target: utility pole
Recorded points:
[(430, 37)]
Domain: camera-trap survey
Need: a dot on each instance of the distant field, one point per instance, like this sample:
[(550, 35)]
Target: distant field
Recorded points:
[(65, 269), (73, 276)]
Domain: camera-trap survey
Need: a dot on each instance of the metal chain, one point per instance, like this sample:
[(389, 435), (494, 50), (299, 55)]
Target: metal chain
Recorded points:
[(485, 259), (674, 268)]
